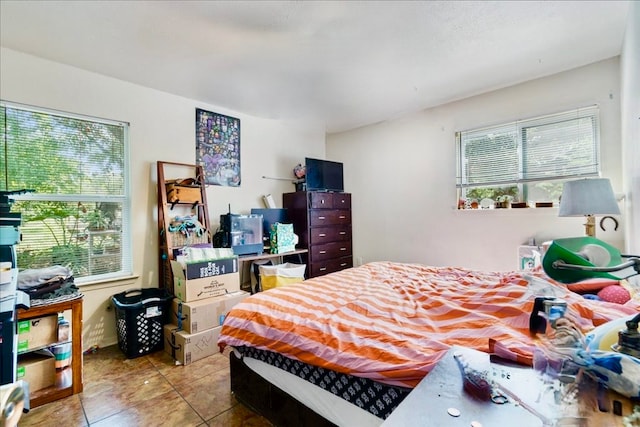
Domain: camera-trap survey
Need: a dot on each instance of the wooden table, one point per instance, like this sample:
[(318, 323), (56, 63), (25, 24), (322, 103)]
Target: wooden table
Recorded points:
[(441, 393)]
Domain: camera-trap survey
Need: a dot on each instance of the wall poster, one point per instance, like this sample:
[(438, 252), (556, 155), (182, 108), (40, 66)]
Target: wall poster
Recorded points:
[(218, 148)]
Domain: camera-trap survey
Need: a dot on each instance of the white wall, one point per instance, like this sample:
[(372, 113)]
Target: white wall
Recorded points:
[(162, 128), (630, 70), (402, 175)]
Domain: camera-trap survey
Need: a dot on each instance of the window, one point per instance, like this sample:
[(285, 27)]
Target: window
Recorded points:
[(78, 212), (527, 160)]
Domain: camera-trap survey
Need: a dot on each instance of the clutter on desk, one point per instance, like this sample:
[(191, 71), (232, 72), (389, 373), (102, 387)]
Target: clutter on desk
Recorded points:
[(282, 238), (567, 354), (242, 233)]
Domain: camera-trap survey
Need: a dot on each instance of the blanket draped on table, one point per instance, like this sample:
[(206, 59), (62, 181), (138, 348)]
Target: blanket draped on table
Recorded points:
[(47, 285)]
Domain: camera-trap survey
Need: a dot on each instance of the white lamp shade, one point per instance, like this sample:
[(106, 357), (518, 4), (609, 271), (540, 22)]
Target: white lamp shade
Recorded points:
[(588, 197)]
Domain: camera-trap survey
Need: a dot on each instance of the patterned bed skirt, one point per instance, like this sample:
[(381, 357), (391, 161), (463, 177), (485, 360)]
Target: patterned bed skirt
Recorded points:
[(376, 398)]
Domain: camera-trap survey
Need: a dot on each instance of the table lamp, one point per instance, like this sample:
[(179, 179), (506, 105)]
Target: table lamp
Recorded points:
[(588, 197)]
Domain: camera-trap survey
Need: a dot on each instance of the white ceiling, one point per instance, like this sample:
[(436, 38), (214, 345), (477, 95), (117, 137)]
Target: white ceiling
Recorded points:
[(346, 63)]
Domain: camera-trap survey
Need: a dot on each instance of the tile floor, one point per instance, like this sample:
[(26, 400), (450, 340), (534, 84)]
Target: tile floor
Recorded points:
[(148, 391)]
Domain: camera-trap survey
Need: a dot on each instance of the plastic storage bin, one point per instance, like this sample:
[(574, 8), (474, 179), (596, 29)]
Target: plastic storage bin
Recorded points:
[(273, 276), (140, 317)]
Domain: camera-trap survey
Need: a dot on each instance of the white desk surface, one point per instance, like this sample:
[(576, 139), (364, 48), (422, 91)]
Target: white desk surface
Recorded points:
[(428, 404), (268, 255)]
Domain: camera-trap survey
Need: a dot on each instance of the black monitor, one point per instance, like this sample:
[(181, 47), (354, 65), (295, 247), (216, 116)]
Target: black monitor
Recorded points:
[(324, 175), (269, 217)]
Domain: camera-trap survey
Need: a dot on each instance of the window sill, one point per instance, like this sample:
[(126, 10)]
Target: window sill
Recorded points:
[(515, 211), (108, 283)]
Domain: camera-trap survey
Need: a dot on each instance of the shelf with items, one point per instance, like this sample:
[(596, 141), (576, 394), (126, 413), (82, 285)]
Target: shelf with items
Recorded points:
[(183, 216), (68, 380)]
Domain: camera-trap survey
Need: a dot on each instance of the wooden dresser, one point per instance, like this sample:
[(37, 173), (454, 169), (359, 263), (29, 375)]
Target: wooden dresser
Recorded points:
[(323, 223)]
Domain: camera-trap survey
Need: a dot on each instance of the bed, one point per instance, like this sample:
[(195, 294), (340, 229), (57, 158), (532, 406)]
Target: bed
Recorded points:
[(346, 348)]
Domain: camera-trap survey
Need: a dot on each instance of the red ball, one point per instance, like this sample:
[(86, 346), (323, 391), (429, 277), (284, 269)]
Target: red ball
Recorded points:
[(614, 293)]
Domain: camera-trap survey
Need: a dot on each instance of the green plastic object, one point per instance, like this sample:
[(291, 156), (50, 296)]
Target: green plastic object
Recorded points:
[(569, 250)]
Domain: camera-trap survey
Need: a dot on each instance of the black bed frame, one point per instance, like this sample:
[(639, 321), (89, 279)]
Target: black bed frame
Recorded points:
[(280, 408)]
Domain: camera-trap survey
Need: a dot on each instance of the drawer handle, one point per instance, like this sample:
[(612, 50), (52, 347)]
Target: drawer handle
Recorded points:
[(323, 268), (322, 235), (322, 202), (343, 233), (343, 249), (343, 264), (323, 252), (342, 216), (321, 217)]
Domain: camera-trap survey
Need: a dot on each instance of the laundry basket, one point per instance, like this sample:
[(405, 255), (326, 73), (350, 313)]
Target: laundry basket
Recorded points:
[(273, 276), (140, 317)]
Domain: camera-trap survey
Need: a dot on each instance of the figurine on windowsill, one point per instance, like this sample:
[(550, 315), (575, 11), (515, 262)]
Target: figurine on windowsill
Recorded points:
[(503, 202)]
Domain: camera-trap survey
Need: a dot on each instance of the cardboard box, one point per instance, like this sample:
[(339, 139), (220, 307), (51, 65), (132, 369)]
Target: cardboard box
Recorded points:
[(207, 313), (37, 368), (197, 289), (198, 270), (37, 332), (187, 348)]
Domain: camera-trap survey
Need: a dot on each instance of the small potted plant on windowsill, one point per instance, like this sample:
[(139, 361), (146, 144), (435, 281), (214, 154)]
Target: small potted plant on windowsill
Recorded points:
[(503, 202)]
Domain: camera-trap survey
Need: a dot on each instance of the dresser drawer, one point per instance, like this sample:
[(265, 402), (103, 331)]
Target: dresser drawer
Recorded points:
[(330, 266), (336, 233), (322, 217), (330, 250), (342, 200), (320, 200), (329, 200)]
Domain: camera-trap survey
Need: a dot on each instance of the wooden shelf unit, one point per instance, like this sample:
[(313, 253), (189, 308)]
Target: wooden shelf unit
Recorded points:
[(166, 209), (53, 393)]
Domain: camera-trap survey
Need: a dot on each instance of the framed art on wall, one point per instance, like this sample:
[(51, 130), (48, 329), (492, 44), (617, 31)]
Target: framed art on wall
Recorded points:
[(218, 147)]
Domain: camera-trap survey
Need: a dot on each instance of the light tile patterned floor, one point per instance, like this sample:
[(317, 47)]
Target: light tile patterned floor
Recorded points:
[(148, 391)]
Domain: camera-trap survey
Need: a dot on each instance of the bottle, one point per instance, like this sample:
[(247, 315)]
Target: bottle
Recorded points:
[(63, 329)]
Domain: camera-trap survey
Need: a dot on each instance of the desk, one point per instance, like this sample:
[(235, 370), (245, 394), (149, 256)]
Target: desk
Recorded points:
[(52, 393), (244, 265), (428, 403)]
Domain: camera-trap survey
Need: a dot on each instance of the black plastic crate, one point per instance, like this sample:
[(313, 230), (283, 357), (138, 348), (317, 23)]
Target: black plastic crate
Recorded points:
[(140, 317)]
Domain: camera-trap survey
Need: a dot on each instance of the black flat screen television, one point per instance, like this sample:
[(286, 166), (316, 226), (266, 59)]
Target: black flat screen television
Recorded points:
[(324, 175), (270, 217)]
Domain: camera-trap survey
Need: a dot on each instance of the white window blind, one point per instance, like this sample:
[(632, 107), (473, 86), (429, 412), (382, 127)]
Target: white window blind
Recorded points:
[(553, 147), (78, 212)]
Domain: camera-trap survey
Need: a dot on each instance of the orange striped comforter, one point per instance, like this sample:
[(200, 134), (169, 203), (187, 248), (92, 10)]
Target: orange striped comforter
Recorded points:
[(392, 322)]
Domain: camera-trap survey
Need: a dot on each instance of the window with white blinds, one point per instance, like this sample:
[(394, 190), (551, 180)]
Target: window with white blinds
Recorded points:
[(528, 160), (75, 211)]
